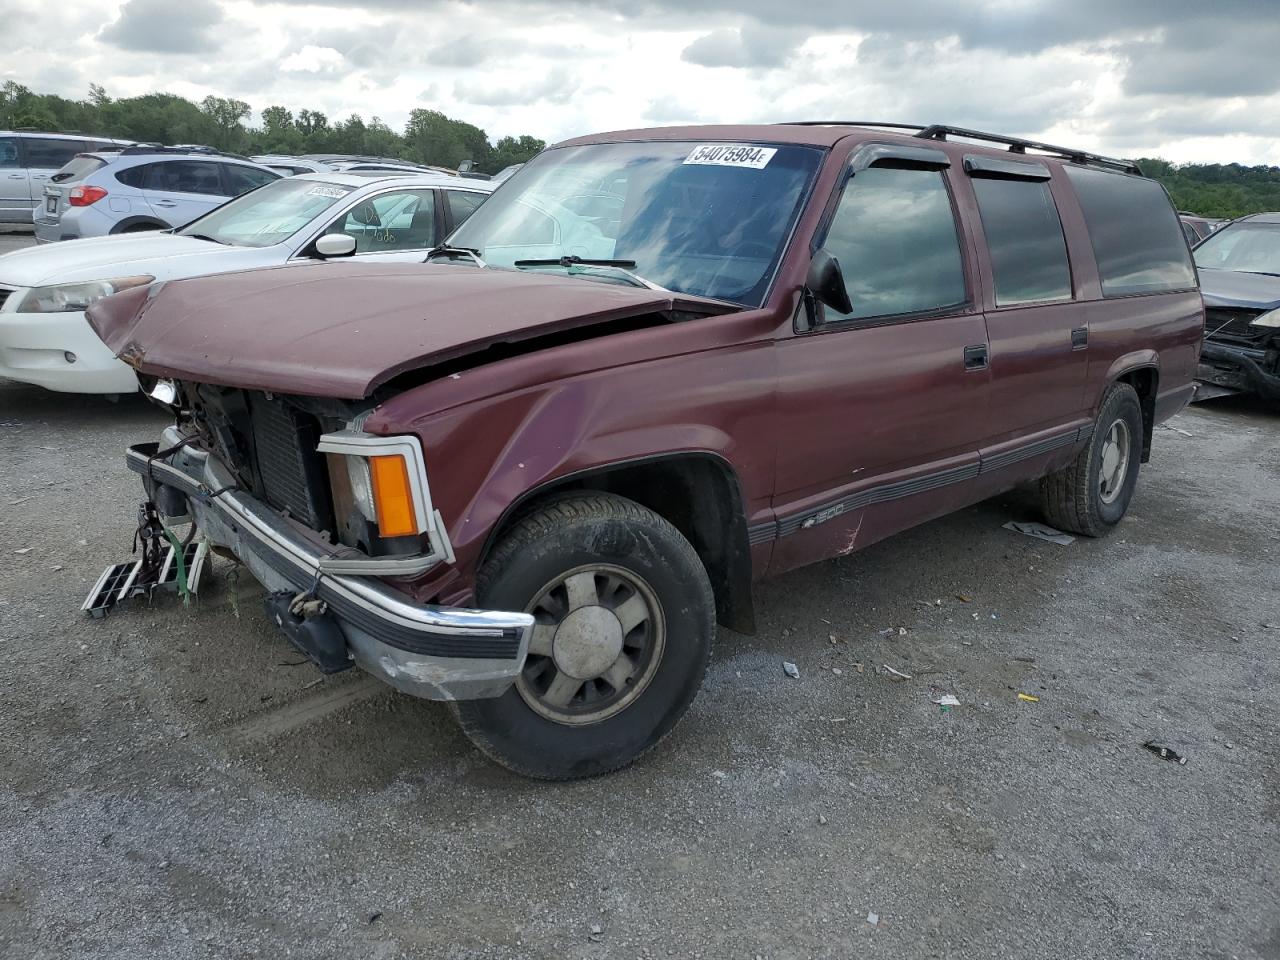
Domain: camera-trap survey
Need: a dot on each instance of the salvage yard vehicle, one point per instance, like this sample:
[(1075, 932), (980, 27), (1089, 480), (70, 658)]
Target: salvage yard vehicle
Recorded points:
[(27, 162), (371, 217), (141, 188), (1240, 278), (529, 477)]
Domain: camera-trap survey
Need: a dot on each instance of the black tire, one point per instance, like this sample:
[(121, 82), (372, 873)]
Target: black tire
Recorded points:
[(143, 227), (559, 538), (1073, 498)]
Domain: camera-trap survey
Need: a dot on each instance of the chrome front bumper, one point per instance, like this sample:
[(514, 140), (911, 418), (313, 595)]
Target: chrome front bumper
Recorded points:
[(440, 653)]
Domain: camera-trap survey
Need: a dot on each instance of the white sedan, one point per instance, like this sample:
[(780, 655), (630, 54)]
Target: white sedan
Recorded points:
[(46, 340)]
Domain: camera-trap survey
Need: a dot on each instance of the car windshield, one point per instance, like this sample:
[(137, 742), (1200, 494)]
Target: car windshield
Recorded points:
[(707, 219), (268, 215), (1244, 247)]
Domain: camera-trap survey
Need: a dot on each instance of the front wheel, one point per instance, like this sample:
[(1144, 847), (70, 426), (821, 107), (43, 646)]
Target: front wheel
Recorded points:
[(1091, 495), (624, 618)]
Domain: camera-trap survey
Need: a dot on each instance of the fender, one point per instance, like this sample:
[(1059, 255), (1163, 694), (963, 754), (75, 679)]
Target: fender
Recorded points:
[(1127, 363), (487, 457)]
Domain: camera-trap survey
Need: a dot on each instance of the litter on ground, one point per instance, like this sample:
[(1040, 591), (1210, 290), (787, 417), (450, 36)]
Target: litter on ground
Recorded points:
[(1041, 532), (790, 669)]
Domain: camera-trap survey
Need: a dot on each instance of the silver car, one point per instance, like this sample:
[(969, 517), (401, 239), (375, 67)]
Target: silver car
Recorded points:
[(141, 188), (28, 160)]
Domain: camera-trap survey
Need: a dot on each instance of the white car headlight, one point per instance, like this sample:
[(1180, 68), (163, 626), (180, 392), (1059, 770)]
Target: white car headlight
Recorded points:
[(1269, 319), (67, 297)]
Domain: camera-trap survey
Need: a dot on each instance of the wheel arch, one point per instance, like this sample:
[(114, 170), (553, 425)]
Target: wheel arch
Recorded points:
[(129, 223), (1143, 374), (698, 492)]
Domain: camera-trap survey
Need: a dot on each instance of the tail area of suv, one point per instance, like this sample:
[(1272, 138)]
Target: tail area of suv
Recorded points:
[(140, 188), (28, 161)]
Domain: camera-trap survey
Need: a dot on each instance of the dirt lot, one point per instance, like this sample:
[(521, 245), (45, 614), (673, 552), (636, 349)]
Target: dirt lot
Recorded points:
[(174, 785)]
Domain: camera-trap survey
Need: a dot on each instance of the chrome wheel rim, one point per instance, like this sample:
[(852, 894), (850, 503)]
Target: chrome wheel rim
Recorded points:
[(1114, 466), (597, 640)]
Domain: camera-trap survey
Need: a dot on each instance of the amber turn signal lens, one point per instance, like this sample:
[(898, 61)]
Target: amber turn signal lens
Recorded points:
[(392, 496)]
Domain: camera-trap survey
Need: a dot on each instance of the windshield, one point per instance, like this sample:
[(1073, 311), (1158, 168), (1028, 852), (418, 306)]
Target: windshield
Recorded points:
[(708, 219), (268, 215), (1244, 247)]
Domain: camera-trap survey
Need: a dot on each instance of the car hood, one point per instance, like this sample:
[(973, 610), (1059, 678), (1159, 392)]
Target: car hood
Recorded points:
[(342, 329), (1234, 288), (161, 255)]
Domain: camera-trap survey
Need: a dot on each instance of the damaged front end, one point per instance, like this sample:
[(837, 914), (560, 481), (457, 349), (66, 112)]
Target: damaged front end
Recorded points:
[(1241, 352), (320, 512)]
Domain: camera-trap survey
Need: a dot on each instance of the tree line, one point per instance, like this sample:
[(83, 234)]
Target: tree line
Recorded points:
[(220, 122), (1217, 189), (1209, 189)]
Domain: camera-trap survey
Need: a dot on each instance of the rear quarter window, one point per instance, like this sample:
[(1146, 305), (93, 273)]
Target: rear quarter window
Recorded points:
[(1136, 236), (134, 176)]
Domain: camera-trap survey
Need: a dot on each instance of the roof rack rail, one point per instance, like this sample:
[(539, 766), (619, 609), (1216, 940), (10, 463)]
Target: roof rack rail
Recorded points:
[(940, 131), (190, 150)]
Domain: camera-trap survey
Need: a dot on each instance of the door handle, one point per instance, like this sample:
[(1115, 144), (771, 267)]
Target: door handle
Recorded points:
[(39, 176), (17, 176), (1079, 338), (976, 357), (166, 203)]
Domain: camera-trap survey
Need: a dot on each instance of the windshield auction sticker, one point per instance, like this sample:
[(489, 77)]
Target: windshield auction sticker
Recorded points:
[(731, 155), (332, 192)]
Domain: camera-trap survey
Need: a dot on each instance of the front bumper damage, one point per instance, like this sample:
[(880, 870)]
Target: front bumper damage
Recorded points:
[(1239, 368), (440, 653)]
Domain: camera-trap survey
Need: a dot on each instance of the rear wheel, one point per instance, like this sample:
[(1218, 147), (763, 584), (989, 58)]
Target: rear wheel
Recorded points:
[(624, 621), (143, 227), (1091, 495)]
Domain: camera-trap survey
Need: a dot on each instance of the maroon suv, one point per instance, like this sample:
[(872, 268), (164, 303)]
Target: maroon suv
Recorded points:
[(531, 476)]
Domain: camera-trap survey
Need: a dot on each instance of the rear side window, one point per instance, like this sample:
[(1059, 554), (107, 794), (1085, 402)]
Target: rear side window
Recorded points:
[(78, 169), (243, 179), (185, 176), (463, 203), (8, 152), (1135, 233), (895, 236), (51, 153), (134, 177), (1024, 235)]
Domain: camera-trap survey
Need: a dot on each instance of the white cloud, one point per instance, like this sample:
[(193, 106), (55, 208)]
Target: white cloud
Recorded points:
[(312, 59), (1102, 74)]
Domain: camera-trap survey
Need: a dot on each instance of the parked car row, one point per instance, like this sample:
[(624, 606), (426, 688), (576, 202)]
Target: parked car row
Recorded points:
[(27, 162), (44, 291), (530, 476)]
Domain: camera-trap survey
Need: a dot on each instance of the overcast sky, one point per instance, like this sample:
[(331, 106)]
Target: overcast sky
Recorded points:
[(1174, 78)]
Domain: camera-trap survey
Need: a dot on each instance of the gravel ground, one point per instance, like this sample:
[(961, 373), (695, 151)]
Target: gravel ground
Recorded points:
[(174, 785)]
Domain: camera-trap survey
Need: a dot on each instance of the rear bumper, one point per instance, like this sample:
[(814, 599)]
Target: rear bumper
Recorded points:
[(50, 231), (1237, 368), (440, 653)]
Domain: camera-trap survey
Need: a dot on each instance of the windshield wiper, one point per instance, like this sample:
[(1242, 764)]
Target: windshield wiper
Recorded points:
[(444, 250), (202, 236), (611, 268), (573, 259)]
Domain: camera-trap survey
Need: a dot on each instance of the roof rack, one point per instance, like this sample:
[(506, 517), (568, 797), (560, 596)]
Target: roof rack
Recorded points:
[(940, 131), (191, 150)]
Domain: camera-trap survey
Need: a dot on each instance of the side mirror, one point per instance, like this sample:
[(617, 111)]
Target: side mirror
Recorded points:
[(826, 282), (335, 245)]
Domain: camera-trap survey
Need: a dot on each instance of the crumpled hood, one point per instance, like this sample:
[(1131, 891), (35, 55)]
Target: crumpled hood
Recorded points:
[(341, 329), (1232, 288), (161, 255)]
